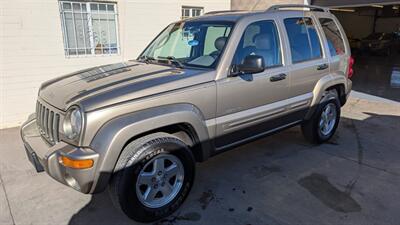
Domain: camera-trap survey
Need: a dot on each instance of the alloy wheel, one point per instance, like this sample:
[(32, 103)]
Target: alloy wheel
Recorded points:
[(160, 180)]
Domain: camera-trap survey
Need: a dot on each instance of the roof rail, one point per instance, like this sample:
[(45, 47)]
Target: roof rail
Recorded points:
[(293, 6), (222, 11)]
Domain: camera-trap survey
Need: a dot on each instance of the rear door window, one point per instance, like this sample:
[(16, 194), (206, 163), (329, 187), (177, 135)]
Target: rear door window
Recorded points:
[(303, 38), (333, 36)]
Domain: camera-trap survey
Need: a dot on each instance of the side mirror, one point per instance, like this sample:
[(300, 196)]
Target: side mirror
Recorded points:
[(251, 64)]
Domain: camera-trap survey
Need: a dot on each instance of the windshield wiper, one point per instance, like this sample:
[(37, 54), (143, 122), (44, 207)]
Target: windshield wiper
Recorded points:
[(146, 59), (173, 60)]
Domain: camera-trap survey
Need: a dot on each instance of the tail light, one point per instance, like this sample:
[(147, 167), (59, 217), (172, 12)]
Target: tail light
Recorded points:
[(350, 70)]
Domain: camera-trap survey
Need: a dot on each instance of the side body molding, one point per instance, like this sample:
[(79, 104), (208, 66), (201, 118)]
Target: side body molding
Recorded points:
[(112, 137)]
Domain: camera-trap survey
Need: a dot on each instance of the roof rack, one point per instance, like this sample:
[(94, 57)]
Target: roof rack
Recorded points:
[(222, 11), (295, 6)]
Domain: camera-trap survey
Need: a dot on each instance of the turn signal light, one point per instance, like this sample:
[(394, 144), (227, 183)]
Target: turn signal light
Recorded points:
[(76, 164)]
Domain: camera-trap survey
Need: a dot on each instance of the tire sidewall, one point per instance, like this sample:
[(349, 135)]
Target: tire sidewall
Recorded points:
[(128, 198)]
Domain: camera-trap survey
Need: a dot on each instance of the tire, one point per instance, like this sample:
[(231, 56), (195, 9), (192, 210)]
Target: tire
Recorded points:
[(311, 128), (135, 160)]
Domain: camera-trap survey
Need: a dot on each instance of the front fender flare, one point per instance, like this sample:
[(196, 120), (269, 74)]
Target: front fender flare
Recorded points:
[(114, 135)]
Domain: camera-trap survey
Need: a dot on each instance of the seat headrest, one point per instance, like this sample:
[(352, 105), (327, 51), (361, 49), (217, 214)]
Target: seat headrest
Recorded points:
[(220, 43), (263, 41)]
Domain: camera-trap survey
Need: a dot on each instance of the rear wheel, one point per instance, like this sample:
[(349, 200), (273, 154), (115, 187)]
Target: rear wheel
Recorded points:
[(322, 125), (153, 176)]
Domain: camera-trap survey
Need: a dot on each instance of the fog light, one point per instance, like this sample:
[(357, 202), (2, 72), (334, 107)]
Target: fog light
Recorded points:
[(76, 164)]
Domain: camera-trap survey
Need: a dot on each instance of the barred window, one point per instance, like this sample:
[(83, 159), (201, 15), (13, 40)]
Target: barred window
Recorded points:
[(89, 28), (190, 11)]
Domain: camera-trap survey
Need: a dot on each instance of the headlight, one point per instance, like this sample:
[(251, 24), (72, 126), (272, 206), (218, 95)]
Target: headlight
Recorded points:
[(72, 125)]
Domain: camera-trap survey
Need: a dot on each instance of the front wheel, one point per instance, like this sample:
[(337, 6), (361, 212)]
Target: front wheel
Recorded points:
[(153, 176), (322, 125)]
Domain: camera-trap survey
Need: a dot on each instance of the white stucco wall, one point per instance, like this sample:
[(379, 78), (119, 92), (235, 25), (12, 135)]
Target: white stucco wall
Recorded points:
[(32, 48)]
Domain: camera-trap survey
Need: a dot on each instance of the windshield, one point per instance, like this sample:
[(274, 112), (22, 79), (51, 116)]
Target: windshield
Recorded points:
[(191, 43)]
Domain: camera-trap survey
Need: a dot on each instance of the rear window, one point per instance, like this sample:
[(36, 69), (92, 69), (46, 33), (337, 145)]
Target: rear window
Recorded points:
[(333, 36), (303, 38)]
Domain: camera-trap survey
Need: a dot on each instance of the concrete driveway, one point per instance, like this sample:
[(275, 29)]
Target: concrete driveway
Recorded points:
[(281, 179)]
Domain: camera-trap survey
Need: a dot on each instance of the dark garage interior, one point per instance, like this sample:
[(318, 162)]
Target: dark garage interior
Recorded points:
[(373, 30)]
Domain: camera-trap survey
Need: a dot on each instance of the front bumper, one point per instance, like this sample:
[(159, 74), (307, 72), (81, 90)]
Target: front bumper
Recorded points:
[(45, 157)]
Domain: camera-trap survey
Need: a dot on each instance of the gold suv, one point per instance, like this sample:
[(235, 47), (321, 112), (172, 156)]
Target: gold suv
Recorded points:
[(202, 86)]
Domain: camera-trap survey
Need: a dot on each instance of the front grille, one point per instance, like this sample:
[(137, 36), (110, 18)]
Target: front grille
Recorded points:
[(48, 122)]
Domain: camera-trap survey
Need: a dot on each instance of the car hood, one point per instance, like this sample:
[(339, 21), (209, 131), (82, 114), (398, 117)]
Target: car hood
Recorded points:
[(110, 84)]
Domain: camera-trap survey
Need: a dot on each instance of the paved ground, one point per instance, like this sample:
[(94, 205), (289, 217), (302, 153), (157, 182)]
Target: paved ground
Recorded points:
[(281, 179), (378, 75)]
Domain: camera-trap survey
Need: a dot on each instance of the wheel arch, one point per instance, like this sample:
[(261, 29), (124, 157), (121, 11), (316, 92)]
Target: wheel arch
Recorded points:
[(340, 89), (326, 83), (183, 131), (184, 121)]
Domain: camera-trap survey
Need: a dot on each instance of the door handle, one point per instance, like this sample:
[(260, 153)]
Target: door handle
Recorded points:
[(278, 77), (322, 67)]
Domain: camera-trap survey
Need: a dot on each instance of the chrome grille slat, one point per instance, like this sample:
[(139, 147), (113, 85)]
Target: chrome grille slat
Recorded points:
[(48, 120), (37, 110), (39, 115), (50, 125), (55, 126), (42, 117)]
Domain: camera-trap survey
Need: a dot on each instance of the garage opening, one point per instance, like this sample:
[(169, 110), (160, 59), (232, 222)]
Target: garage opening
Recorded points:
[(373, 30)]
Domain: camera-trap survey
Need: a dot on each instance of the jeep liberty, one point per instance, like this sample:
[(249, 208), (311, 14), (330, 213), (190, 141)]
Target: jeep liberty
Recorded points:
[(202, 86)]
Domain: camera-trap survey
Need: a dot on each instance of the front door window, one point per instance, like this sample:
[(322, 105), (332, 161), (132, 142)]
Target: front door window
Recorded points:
[(260, 38)]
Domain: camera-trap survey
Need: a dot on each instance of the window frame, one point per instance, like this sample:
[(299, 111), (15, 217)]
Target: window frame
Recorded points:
[(321, 44), (89, 13), (279, 40)]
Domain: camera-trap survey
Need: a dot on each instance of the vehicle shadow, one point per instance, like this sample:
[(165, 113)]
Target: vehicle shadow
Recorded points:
[(100, 210), (287, 144)]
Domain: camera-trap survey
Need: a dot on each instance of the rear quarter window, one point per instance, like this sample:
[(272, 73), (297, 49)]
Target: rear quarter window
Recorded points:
[(303, 39), (333, 36)]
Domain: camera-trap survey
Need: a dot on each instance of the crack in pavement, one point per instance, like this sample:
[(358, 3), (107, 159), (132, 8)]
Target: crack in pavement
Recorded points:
[(360, 148), (360, 153), (8, 202), (363, 164), (360, 157)]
